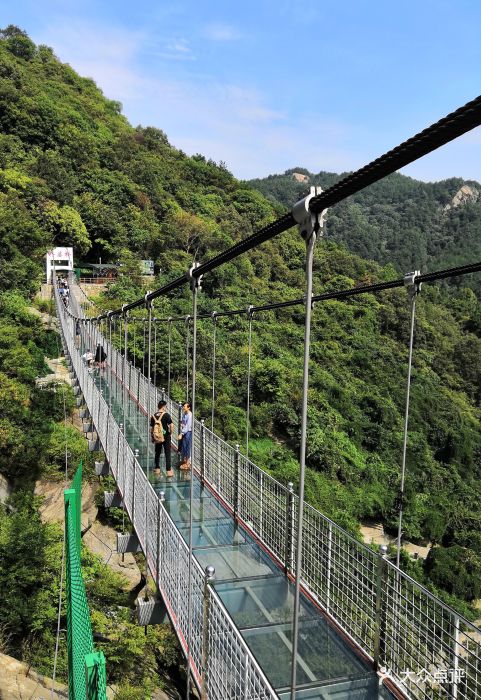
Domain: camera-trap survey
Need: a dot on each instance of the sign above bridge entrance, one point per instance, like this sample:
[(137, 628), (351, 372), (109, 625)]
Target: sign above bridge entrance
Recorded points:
[(59, 259)]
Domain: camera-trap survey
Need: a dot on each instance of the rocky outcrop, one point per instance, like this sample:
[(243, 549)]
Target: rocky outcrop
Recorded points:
[(465, 195), (99, 538), (5, 489), (19, 682), (300, 177)]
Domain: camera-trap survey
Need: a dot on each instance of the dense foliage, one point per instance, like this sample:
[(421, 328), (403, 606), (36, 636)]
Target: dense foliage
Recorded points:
[(410, 224), (72, 170)]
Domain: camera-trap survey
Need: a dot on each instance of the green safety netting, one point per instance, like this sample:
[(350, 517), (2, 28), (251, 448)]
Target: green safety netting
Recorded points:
[(86, 667)]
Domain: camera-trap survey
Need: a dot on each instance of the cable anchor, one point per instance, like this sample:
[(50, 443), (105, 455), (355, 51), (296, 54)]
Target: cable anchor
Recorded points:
[(195, 281), (411, 283), (309, 222)]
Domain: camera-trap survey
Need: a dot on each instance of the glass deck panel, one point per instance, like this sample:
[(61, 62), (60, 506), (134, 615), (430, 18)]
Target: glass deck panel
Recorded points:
[(251, 586), (262, 602), (322, 654)]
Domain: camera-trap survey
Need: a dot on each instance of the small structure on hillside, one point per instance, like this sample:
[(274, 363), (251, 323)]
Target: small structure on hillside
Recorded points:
[(59, 259)]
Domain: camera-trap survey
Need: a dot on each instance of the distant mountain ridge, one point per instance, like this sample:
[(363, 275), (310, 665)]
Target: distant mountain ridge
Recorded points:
[(406, 222)]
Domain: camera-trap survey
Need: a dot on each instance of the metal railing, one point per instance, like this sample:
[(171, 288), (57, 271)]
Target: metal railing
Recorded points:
[(425, 647), (222, 663)]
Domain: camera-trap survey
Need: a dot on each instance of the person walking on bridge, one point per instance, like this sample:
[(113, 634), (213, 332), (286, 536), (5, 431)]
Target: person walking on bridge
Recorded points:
[(185, 435), (161, 427)]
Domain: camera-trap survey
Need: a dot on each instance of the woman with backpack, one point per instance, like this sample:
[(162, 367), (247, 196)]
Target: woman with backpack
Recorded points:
[(161, 427)]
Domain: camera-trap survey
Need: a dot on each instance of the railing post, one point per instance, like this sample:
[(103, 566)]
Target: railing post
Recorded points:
[(328, 574), (202, 450), (289, 528), (209, 574), (236, 480), (159, 533), (455, 669), (380, 620), (179, 415), (136, 454)]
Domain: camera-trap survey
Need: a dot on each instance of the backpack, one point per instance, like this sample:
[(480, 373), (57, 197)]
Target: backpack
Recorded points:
[(158, 429)]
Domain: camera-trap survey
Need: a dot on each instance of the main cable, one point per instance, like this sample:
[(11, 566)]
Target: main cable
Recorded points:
[(445, 130)]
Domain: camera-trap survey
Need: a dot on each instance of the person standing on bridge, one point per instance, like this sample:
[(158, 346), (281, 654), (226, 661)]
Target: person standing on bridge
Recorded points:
[(100, 356), (161, 427), (185, 435)]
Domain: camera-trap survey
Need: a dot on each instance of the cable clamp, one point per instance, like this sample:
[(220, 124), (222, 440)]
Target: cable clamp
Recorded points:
[(148, 302), (249, 311), (187, 320), (195, 281), (309, 223), (410, 282), (214, 315)]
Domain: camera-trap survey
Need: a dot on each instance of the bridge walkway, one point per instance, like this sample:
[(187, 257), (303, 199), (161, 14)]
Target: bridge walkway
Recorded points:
[(250, 583)]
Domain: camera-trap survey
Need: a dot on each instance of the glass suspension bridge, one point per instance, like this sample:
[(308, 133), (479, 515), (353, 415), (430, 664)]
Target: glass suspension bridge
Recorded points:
[(269, 597)]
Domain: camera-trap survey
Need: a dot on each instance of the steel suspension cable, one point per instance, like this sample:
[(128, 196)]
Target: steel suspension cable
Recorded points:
[(124, 405), (310, 244), (214, 318), (344, 293), (169, 320), (155, 353), (143, 353), (187, 354), (248, 402), (413, 292), (135, 338), (195, 289), (149, 413), (450, 127)]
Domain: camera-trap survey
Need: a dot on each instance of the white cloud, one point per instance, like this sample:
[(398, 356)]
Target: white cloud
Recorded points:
[(221, 32), (229, 122)]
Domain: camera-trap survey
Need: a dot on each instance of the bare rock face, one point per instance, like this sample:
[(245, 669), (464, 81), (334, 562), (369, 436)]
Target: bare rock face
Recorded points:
[(99, 538), (18, 682), (102, 540), (300, 177), (52, 507), (465, 195), (5, 489)]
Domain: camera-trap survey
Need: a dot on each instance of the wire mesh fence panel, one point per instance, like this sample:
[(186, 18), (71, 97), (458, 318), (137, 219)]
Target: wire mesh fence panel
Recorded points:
[(171, 573), (102, 422), (231, 670), (134, 383), (128, 493), (140, 490), (113, 436), (152, 530), (424, 644), (221, 459), (341, 573), (143, 393), (263, 506)]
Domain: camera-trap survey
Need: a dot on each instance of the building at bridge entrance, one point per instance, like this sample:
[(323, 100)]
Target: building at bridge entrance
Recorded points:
[(59, 259)]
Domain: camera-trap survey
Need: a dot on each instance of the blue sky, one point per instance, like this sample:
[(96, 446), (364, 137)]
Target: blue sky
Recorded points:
[(265, 86)]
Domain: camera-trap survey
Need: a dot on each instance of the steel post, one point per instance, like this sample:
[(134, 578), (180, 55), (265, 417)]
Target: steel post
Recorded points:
[(209, 574)]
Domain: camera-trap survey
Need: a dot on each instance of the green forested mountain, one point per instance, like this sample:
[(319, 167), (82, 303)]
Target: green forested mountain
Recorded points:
[(72, 170), (402, 221)]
